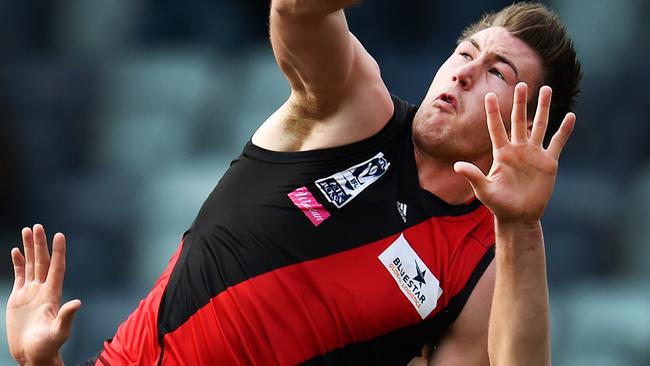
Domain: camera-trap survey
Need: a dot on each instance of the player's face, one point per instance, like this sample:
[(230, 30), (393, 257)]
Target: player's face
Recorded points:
[(451, 120)]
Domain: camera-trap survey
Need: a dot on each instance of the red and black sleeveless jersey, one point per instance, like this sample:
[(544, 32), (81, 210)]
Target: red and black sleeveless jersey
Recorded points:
[(328, 257)]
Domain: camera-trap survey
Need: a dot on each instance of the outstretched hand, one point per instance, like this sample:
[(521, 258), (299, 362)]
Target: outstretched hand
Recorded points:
[(521, 179), (37, 326)]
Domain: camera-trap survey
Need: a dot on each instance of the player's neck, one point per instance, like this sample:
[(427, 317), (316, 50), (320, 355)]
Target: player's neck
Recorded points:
[(437, 176)]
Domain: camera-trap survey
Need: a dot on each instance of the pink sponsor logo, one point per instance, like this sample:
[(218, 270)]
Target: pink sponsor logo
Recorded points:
[(305, 201)]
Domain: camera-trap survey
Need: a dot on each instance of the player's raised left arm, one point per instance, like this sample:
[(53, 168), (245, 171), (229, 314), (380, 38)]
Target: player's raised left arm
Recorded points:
[(37, 324), (517, 190)]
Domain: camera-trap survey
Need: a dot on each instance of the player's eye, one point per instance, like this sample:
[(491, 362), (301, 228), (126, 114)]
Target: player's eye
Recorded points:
[(497, 73), (466, 55)]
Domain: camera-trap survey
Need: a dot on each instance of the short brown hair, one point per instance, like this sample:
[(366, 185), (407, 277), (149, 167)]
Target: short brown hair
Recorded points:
[(540, 28)]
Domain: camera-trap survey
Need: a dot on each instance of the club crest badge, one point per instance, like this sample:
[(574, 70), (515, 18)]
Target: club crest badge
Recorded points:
[(340, 188)]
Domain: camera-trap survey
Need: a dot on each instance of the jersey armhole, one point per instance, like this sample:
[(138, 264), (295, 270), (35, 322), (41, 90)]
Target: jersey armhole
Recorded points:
[(457, 303)]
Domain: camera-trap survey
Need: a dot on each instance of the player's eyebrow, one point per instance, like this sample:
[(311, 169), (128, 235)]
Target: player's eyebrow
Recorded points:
[(501, 58)]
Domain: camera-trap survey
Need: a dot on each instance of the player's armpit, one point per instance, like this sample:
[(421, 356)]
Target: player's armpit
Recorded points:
[(466, 341), (337, 94)]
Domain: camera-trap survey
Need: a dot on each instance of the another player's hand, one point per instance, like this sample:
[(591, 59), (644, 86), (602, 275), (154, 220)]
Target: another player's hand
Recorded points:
[(521, 179), (37, 326)]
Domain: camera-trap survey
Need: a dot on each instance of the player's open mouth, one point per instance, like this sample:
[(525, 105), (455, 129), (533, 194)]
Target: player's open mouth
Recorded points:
[(447, 99)]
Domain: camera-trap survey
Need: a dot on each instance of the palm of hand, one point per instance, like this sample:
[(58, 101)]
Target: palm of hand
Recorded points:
[(31, 312), (520, 182)]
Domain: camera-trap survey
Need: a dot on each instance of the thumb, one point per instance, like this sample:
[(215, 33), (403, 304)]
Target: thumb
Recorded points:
[(474, 175), (62, 326)]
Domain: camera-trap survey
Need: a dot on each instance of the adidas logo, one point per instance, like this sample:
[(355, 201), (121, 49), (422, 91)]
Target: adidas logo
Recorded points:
[(401, 208)]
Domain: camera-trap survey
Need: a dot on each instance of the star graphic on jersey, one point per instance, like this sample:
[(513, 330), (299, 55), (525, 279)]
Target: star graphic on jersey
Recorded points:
[(420, 276)]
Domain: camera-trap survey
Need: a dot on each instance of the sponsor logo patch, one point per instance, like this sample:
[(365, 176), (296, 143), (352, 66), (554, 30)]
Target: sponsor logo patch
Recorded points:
[(342, 187), (412, 276), (305, 201)]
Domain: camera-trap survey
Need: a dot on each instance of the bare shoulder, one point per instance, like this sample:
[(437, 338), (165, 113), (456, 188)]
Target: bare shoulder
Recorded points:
[(317, 120)]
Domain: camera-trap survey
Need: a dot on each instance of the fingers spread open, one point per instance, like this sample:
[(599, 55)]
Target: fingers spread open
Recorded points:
[(518, 116), (495, 125), (57, 267), (541, 115), (562, 135), (41, 254), (28, 248), (19, 268)]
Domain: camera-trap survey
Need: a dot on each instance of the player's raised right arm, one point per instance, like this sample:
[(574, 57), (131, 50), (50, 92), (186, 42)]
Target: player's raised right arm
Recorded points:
[(334, 81), (312, 45)]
